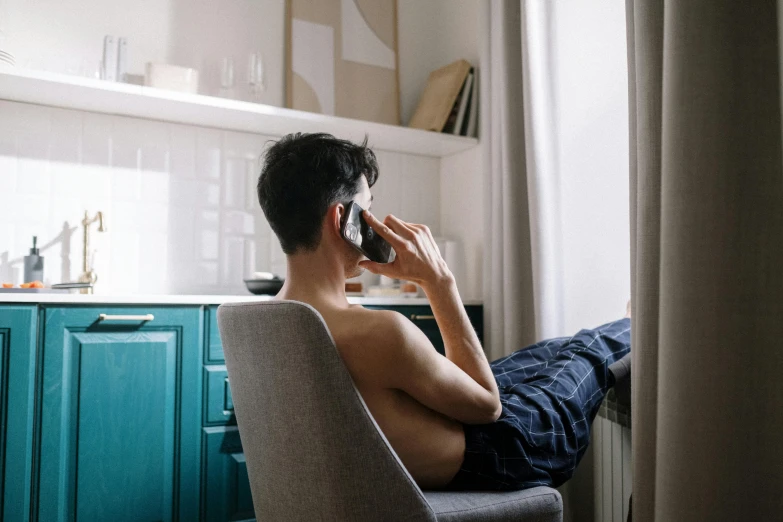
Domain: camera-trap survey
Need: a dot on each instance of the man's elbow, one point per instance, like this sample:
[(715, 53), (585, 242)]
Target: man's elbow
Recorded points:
[(496, 411), (491, 412)]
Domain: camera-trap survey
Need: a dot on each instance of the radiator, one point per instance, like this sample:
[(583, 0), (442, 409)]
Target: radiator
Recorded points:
[(611, 462)]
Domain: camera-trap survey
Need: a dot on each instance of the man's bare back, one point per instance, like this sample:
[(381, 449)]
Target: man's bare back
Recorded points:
[(430, 444)]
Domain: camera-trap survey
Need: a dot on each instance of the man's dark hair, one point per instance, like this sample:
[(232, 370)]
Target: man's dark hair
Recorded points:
[(303, 175)]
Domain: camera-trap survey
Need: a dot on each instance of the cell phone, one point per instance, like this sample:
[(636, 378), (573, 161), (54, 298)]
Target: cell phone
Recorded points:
[(362, 237)]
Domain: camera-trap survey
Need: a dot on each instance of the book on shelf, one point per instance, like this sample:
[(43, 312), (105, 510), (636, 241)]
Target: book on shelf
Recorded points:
[(464, 100), (439, 96), (471, 122), (449, 102)]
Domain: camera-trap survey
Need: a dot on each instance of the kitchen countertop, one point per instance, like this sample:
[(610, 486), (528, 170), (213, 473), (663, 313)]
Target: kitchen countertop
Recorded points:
[(153, 299)]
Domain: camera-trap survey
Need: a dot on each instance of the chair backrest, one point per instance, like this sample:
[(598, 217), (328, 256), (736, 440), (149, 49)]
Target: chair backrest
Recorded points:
[(312, 449)]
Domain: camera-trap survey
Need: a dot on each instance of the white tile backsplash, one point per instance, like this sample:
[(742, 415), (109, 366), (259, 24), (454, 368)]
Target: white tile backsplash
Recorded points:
[(181, 210)]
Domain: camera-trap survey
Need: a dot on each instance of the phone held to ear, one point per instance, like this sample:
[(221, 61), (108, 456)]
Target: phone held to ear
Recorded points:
[(362, 237)]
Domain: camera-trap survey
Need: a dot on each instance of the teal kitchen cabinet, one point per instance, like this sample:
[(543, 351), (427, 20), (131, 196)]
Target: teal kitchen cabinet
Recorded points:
[(17, 377), (226, 485), (120, 404), (225, 492)]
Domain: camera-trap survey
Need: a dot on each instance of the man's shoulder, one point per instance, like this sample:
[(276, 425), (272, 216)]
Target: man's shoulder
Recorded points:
[(374, 323)]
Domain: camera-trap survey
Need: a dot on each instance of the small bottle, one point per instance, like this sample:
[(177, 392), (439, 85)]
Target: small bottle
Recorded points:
[(33, 264)]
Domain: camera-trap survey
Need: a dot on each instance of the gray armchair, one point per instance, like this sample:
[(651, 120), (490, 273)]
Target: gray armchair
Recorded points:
[(313, 450)]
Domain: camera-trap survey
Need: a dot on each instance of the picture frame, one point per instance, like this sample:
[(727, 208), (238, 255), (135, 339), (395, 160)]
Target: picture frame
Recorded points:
[(342, 58)]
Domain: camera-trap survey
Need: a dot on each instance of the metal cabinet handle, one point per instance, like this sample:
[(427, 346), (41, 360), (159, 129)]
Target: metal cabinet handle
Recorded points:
[(228, 400), (107, 317), (416, 317)]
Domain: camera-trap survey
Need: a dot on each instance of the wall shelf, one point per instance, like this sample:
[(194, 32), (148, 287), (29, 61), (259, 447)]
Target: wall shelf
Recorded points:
[(86, 94)]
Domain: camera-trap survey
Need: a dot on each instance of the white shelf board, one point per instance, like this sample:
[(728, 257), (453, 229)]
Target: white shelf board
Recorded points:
[(86, 94)]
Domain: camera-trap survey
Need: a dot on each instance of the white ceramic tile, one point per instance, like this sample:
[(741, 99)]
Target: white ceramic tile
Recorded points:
[(234, 182), (29, 119), (65, 136), (243, 145), (125, 184), (238, 223), (32, 176), (182, 153), (207, 274), (152, 217), (124, 275), (28, 209), (209, 147), (127, 140), (154, 186), (96, 139), (263, 256), (153, 265), (207, 236), (250, 261), (182, 233), (8, 174), (232, 261)]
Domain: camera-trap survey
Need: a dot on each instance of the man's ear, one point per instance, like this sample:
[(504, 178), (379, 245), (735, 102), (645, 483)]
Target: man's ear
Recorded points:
[(334, 217)]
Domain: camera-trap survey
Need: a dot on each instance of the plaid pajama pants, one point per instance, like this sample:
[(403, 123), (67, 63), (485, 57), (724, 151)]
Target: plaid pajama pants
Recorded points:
[(550, 393)]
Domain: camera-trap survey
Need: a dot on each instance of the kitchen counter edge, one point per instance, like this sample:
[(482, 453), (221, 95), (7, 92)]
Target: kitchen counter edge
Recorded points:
[(79, 299)]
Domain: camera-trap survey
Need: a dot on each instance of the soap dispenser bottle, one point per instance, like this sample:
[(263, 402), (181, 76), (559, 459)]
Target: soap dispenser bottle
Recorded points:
[(33, 264)]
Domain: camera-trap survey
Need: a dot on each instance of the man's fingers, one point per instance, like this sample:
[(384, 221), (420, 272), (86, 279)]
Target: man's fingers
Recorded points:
[(399, 226), (375, 268), (381, 228)]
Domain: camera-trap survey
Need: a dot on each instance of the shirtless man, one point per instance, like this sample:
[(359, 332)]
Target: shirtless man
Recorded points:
[(446, 417)]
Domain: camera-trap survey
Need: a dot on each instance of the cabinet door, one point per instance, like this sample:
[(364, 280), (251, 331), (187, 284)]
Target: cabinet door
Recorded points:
[(17, 370), (119, 421), (226, 486)]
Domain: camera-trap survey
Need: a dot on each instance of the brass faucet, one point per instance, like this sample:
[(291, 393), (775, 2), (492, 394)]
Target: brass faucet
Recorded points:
[(88, 274)]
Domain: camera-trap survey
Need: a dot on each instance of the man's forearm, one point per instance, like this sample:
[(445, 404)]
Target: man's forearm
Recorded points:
[(462, 345)]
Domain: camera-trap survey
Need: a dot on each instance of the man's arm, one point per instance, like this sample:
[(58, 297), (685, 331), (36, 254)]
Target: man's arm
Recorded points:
[(419, 260), (403, 358)]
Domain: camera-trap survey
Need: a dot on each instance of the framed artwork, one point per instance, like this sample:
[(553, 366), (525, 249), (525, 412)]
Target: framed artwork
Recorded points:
[(342, 59)]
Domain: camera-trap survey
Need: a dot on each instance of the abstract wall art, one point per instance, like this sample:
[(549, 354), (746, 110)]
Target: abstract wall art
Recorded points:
[(342, 58)]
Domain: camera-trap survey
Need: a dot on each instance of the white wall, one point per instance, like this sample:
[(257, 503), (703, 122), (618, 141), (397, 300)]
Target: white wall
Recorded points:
[(591, 107)]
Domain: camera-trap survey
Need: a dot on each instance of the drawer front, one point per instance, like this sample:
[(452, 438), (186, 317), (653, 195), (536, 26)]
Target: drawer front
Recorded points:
[(226, 494), (214, 346), (219, 407)]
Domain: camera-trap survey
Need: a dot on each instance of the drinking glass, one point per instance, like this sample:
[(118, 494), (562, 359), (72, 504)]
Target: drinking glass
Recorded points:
[(255, 76)]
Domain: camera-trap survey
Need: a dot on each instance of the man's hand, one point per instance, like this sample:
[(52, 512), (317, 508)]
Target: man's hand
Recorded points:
[(418, 258)]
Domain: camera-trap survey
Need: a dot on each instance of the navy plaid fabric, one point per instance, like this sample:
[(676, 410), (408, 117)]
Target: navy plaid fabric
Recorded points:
[(550, 393)]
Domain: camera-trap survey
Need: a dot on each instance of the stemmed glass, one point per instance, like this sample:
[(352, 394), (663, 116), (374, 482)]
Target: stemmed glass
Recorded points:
[(255, 76)]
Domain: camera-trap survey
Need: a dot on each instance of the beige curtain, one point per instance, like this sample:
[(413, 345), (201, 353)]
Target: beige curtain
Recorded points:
[(707, 260), (508, 279)]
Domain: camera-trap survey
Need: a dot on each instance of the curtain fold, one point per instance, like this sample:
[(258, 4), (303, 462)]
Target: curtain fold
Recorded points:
[(508, 280), (707, 259)]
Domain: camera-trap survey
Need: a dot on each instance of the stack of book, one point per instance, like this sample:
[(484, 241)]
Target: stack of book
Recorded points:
[(450, 101)]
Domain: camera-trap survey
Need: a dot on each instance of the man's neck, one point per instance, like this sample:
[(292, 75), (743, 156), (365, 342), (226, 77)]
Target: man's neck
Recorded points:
[(315, 278)]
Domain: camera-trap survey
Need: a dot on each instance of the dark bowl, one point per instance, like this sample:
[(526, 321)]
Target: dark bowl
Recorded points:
[(264, 286)]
